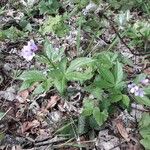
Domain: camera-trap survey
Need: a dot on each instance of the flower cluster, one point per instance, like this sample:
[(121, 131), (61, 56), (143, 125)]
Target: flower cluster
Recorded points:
[(28, 51), (136, 89)]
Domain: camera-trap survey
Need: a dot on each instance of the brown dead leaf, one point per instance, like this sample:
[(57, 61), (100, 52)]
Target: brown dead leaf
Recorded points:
[(22, 96), (52, 102), (28, 125), (30, 89), (122, 130), (147, 71)]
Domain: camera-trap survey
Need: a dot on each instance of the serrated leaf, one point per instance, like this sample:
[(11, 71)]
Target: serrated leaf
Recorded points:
[(116, 98), (103, 60), (48, 48), (60, 84), (100, 117), (82, 123), (32, 75), (47, 84), (26, 84), (63, 65), (145, 132), (79, 62), (118, 72), (106, 75), (39, 89), (145, 120), (143, 100), (50, 23), (96, 91), (88, 106), (78, 76), (119, 86), (145, 142), (104, 84), (125, 100)]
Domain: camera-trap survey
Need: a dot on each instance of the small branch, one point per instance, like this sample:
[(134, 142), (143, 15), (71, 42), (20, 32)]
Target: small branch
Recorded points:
[(119, 36)]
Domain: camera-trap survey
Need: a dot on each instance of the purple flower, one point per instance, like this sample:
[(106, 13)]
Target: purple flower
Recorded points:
[(145, 81), (28, 51), (139, 92), (32, 45), (136, 90)]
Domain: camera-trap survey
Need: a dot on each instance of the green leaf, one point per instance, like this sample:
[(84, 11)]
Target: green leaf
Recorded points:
[(26, 84), (145, 142), (145, 120), (144, 126), (106, 75), (63, 65), (60, 84), (143, 100), (147, 90), (93, 123), (103, 60), (88, 106), (120, 85), (48, 48), (1, 115), (33, 75), (118, 72), (100, 117), (96, 91), (96, 1), (104, 84), (78, 76), (50, 6), (125, 100), (145, 132), (140, 77), (82, 125), (52, 54), (115, 98), (54, 25), (79, 62), (47, 84), (2, 136), (39, 89)]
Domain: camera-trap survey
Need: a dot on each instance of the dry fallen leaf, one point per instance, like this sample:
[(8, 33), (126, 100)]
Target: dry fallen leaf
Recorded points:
[(52, 102), (28, 125), (147, 71), (22, 96), (122, 130)]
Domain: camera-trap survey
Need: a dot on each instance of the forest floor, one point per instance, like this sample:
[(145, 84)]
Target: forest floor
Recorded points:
[(35, 117)]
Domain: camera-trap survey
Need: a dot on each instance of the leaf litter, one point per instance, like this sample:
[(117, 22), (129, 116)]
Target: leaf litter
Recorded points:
[(36, 120)]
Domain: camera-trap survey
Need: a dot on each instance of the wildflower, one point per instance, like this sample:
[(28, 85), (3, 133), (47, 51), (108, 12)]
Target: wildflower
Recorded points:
[(28, 51), (136, 90), (139, 92), (32, 45), (145, 81)]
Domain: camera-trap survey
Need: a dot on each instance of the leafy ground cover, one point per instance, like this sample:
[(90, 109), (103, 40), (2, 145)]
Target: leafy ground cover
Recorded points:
[(75, 74)]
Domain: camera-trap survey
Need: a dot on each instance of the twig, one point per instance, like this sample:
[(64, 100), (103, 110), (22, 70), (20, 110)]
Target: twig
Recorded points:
[(134, 106), (119, 36), (51, 141), (117, 145), (5, 113)]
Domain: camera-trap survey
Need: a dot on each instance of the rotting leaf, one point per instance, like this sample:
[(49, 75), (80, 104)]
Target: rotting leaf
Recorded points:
[(28, 125), (52, 102), (123, 132)]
